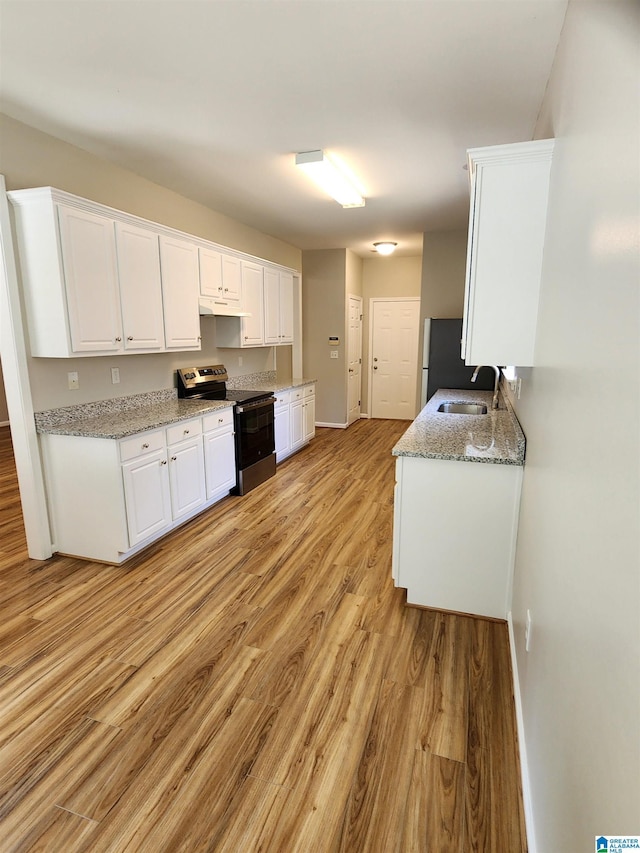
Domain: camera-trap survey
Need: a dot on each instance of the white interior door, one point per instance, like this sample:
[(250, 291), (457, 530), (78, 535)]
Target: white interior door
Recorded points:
[(394, 358), (354, 350)]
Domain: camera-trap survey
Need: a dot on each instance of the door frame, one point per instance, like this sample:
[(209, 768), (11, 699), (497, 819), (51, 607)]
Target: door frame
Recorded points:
[(372, 301), (351, 296)]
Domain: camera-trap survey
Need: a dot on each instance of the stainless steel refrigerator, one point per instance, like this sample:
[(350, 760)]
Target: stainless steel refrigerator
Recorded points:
[(442, 365)]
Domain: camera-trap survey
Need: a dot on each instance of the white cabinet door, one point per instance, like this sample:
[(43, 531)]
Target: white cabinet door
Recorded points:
[(231, 278), (210, 272), (146, 489), (297, 424), (252, 286), (309, 417), (219, 461), (180, 286), (282, 423), (507, 222), (286, 308), (278, 307), (91, 280), (140, 287), (186, 473), (272, 333)]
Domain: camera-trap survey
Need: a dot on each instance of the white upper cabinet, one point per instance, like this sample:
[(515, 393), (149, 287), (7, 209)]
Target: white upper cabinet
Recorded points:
[(140, 287), (99, 281), (180, 285), (507, 222), (210, 273), (252, 285), (278, 306), (91, 277), (220, 275), (231, 278)]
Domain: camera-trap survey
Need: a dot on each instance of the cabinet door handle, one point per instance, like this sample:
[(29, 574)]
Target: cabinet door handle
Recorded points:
[(130, 338), (145, 446), (220, 420), (164, 462), (173, 459), (118, 339)]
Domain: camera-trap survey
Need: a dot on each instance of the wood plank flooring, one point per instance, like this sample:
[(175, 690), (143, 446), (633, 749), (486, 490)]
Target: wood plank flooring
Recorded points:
[(253, 682)]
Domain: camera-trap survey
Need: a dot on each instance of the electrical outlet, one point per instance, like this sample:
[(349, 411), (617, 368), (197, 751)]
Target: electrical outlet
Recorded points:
[(334, 353), (527, 632), (239, 361), (73, 381), (115, 375)]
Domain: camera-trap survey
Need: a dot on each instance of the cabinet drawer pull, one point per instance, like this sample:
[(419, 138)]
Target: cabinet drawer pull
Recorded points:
[(163, 462), (145, 446), (186, 432), (173, 459), (220, 420)]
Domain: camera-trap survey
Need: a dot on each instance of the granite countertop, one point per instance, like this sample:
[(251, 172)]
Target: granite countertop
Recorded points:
[(241, 383), (125, 416), (494, 438)]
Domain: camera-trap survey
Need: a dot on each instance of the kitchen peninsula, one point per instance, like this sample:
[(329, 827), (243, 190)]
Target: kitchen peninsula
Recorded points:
[(457, 498)]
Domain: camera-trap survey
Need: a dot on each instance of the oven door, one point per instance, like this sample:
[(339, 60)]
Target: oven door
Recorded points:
[(255, 433)]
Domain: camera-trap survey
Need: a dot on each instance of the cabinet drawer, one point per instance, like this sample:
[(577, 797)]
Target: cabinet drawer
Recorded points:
[(297, 394), (184, 430), (309, 390), (139, 445), (218, 420), (283, 398)]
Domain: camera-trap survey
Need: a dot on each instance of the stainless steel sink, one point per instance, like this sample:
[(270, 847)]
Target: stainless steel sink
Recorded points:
[(452, 408)]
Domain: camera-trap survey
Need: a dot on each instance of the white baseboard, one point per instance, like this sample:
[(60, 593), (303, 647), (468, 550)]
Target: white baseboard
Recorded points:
[(332, 426), (364, 415), (522, 747)]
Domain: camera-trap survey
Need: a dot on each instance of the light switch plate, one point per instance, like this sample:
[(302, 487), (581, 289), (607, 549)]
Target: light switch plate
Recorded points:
[(73, 381), (334, 353), (115, 375)]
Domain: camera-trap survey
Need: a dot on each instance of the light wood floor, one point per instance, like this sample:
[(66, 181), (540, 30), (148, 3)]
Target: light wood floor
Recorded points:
[(253, 682)]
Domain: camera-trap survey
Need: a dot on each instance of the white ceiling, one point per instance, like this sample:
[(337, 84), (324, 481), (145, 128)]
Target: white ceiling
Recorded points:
[(212, 98)]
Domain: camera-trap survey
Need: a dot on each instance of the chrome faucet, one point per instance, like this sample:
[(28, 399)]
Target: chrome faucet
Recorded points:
[(494, 404)]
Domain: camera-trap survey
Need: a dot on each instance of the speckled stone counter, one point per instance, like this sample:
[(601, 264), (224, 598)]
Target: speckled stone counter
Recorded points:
[(265, 382), (494, 438), (124, 416)]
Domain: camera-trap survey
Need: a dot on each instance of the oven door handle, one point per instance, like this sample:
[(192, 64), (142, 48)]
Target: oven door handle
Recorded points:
[(255, 407)]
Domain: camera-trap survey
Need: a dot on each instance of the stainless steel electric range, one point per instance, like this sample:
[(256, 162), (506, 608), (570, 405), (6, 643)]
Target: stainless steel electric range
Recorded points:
[(253, 421)]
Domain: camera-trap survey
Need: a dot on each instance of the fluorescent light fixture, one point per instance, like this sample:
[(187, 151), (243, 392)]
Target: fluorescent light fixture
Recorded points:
[(385, 247), (329, 178)]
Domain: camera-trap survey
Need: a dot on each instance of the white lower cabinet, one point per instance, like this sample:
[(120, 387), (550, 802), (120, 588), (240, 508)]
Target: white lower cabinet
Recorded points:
[(454, 533), (295, 415), (108, 499), (282, 421), (147, 496), (186, 468), (219, 453)]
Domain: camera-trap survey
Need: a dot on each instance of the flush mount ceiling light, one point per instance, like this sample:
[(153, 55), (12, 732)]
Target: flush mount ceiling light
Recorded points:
[(329, 178), (385, 247)]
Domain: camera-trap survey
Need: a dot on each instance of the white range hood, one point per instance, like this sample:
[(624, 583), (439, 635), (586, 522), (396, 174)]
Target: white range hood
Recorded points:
[(218, 308)]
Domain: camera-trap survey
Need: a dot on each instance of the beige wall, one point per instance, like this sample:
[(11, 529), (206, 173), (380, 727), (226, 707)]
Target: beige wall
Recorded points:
[(444, 258), (384, 277), (324, 276), (577, 566), (29, 158)]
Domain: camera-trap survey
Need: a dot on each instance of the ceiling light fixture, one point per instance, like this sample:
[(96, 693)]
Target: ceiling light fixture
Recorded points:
[(385, 247), (329, 178)]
